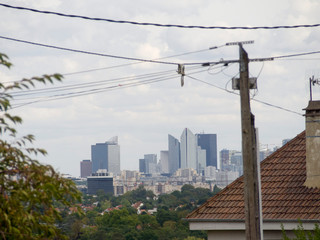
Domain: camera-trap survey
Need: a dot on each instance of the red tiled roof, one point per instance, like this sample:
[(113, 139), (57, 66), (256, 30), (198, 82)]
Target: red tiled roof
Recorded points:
[(284, 196)]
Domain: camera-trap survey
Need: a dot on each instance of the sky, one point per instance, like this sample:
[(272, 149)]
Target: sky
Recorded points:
[(101, 97)]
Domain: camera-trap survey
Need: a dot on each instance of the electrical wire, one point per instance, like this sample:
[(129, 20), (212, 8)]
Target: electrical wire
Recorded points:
[(87, 92), (89, 84), (159, 24), (101, 54), (86, 52), (296, 55), (98, 83), (95, 90), (156, 61), (128, 64), (254, 99)]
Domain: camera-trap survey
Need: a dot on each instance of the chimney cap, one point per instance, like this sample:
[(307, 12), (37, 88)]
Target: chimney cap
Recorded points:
[(313, 108)]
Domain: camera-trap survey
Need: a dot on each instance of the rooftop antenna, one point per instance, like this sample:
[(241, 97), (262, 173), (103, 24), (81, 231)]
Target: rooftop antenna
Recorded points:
[(312, 82)]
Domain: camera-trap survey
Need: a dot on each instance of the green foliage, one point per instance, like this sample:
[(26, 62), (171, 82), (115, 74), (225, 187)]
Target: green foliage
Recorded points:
[(302, 234), (29, 190)]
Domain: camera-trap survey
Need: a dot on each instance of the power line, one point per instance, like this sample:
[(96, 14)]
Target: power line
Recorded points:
[(264, 59), (118, 80), (95, 90), (92, 84), (159, 24), (254, 99), (128, 64), (86, 52), (296, 55), (99, 54), (89, 92), (156, 61)]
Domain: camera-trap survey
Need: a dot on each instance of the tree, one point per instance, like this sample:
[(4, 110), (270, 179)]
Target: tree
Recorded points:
[(28, 189), (302, 234)]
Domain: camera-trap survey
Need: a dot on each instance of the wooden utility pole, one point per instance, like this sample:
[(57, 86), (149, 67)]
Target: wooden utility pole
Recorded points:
[(249, 155)]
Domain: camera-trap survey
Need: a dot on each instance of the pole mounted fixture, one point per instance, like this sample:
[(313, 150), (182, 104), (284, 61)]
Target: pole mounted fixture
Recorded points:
[(181, 72), (239, 43)]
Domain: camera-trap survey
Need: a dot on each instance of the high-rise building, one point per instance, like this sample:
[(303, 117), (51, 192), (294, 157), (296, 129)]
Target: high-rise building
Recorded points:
[(173, 154), (209, 143), (224, 159), (201, 160), (142, 165), (164, 161), (151, 163), (85, 168), (188, 149), (148, 164), (106, 156)]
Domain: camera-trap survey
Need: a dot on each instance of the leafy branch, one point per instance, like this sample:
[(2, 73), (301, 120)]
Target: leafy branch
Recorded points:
[(28, 189)]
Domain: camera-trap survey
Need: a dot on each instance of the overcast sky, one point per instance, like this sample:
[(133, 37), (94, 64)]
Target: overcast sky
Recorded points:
[(143, 116)]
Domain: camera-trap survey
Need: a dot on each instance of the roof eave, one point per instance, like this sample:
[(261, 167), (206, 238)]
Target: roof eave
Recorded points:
[(239, 224)]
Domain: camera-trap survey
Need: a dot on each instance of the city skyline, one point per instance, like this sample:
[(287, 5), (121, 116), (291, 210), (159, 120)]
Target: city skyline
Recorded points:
[(171, 157), (141, 101)]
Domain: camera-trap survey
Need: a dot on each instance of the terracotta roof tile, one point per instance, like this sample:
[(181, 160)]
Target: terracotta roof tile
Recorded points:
[(283, 194)]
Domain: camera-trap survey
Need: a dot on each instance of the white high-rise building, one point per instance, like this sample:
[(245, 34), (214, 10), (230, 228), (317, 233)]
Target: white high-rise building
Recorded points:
[(188, 149), (164, 161)]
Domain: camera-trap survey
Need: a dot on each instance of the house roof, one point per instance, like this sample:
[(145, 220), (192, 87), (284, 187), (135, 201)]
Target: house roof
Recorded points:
[(284, 196)]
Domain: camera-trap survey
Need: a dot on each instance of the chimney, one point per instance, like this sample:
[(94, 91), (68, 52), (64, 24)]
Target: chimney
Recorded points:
[(313, 144)]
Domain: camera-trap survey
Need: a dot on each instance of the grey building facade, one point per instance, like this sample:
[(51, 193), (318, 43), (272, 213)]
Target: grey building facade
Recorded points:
[(106, 156), (173, 154), (85, 168), (209, 143), (148, 164)]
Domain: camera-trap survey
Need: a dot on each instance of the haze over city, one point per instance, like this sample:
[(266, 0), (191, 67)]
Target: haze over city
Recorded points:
[(101, 97)]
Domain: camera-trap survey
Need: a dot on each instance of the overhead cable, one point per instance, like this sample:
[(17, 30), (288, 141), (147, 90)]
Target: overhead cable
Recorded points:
[(253, 99), (37, 99), (296, 55), (98, 54), (128, 64), (159, 24), (86, 52)]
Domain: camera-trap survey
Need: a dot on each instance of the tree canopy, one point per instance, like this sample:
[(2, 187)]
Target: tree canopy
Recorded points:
[(29, 191)]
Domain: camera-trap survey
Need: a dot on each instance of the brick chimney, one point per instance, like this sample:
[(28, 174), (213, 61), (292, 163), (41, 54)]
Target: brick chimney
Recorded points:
[(313, 144)]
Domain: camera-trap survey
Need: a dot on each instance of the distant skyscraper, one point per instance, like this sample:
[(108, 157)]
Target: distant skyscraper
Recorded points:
[(164, 161), (142, 165), (201, 160), (173, 154), (188, 148), (106, 156), (209, 143), (151, 163), (224, 159), (85, 168), (148, 164)]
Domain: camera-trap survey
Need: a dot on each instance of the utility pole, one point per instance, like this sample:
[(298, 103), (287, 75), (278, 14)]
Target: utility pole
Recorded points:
[(249, 154)]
